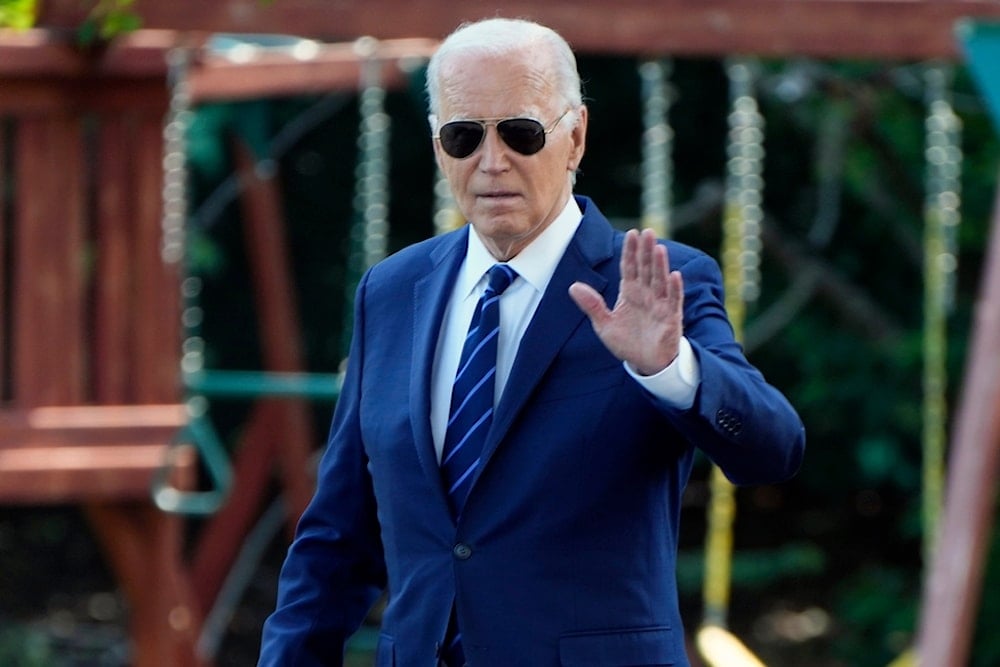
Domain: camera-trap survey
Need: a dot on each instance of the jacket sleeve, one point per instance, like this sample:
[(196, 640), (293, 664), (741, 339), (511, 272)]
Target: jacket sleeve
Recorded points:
[(334, 569), (745, 425)]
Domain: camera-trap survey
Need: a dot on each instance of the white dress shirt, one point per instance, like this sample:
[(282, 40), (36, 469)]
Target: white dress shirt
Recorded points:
[(535, 264)]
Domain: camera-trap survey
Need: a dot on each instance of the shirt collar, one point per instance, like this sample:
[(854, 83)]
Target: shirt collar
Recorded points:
[(535, 263)]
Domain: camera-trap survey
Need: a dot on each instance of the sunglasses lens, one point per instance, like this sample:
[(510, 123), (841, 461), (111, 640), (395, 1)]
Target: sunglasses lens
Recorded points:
[(524, 135), (461, 138)]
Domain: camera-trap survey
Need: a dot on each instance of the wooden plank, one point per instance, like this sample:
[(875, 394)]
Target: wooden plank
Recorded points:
[(113, 272), (39, 52), (315, 69), (72, 454), (49, 325), (60, 474), (47, 96), (72, 426), (94, 417), (4, 261), (886, 29)]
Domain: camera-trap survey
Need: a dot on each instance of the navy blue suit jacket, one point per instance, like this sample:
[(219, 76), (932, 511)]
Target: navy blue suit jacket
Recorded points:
[(565, 551)]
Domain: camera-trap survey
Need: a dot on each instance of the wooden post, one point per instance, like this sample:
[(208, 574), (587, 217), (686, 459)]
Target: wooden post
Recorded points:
[(279, 433), (952, 591)]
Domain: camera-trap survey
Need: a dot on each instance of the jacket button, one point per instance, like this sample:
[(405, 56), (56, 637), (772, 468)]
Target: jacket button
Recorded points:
[(462, 551)]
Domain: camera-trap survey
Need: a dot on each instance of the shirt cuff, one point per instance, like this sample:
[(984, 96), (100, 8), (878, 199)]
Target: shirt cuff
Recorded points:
[(677, 384)]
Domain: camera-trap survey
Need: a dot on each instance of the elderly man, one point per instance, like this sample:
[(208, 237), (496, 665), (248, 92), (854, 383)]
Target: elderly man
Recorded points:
[(522, 405)]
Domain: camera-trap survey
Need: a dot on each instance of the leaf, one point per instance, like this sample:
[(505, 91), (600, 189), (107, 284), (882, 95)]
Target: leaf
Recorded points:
[(17, 14)]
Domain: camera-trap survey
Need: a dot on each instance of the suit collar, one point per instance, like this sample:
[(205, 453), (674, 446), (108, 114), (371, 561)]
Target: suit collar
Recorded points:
[(430, 299), (557, 317)]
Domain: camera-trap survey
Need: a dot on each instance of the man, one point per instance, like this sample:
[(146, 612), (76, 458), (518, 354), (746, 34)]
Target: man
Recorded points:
[(554, 541)]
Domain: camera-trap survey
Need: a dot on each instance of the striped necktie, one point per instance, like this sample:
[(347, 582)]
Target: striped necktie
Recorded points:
[(472, 392)]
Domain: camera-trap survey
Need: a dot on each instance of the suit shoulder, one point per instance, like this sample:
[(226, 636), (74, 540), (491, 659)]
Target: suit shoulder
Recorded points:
[(415, 260), (681, 255), (682, 252)]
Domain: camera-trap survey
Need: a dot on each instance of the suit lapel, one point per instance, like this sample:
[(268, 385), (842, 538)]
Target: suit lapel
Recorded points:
[(555, 320), (430, 298)]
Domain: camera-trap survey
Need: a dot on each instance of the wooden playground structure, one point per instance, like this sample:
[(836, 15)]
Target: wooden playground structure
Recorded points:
[(92, 407)]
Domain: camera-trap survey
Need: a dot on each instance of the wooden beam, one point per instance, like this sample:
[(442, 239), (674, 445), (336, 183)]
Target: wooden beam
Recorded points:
[(315, 68), (883, 29), (130, 73), (51, 53), (953, 589)]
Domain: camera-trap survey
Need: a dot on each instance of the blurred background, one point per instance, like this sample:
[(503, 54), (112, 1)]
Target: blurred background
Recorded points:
[(854, 191)]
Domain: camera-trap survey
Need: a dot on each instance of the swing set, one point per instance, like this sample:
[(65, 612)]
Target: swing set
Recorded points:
[(99, 312)]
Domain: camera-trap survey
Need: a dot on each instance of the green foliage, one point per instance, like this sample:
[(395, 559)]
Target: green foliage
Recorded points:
[(19, 14), (107, 20), (756, 570), (21, 646), (878, 615), (987, 645)]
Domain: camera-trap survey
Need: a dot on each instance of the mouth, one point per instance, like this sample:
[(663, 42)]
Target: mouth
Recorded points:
[(498, 195)]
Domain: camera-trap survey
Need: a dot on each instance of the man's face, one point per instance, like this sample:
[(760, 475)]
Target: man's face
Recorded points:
[(508, 197)]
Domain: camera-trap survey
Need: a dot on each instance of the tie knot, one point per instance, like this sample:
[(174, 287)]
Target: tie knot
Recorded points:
[(500, 278)]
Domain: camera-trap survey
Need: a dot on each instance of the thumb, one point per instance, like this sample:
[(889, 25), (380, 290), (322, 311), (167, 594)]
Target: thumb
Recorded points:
[(589, 301)]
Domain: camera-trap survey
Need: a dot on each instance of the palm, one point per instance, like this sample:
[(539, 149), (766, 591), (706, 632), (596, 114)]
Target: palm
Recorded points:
[(645, 326)]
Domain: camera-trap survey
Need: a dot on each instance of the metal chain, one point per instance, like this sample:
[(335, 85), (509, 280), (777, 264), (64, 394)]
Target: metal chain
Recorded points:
[(370, 228), (657, 145), (175, 209), (744, 189), (446, 214), (372, 171), (175, 172), (943, 164), (741, 274)]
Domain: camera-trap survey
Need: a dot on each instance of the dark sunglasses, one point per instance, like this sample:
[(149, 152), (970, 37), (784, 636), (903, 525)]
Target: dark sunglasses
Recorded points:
[(461, 138)]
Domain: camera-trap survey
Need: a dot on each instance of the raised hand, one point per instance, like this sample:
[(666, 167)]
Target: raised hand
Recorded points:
[(645, 326)]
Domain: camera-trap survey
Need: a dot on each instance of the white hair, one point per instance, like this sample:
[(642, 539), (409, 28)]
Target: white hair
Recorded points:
[(498, 37)]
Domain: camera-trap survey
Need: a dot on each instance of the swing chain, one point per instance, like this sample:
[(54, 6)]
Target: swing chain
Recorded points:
[(943, 154), (372, 199), (657, 145), (744, 190), (943, 157), (179, 117)]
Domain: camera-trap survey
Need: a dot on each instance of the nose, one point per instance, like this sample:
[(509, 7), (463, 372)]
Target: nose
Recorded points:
[(493, 152)]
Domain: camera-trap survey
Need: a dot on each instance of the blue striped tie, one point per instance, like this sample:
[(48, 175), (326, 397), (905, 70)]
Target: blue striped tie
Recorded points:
[(472, 393)]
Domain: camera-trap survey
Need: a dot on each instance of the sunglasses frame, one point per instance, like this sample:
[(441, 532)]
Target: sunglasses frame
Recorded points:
[(485, 123)]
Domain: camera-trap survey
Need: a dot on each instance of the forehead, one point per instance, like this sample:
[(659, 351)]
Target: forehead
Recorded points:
[(495, 86)]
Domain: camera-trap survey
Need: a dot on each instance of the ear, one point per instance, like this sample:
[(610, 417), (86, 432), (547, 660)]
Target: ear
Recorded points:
[(438, 155), (579, 138)]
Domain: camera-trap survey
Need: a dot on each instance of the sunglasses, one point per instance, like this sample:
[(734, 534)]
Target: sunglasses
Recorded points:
[(461, 138)]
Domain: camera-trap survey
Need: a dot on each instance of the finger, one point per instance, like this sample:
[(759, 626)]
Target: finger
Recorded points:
[(660, 271), (629, 261), (675, 290), (590, 302), (647, 240)]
